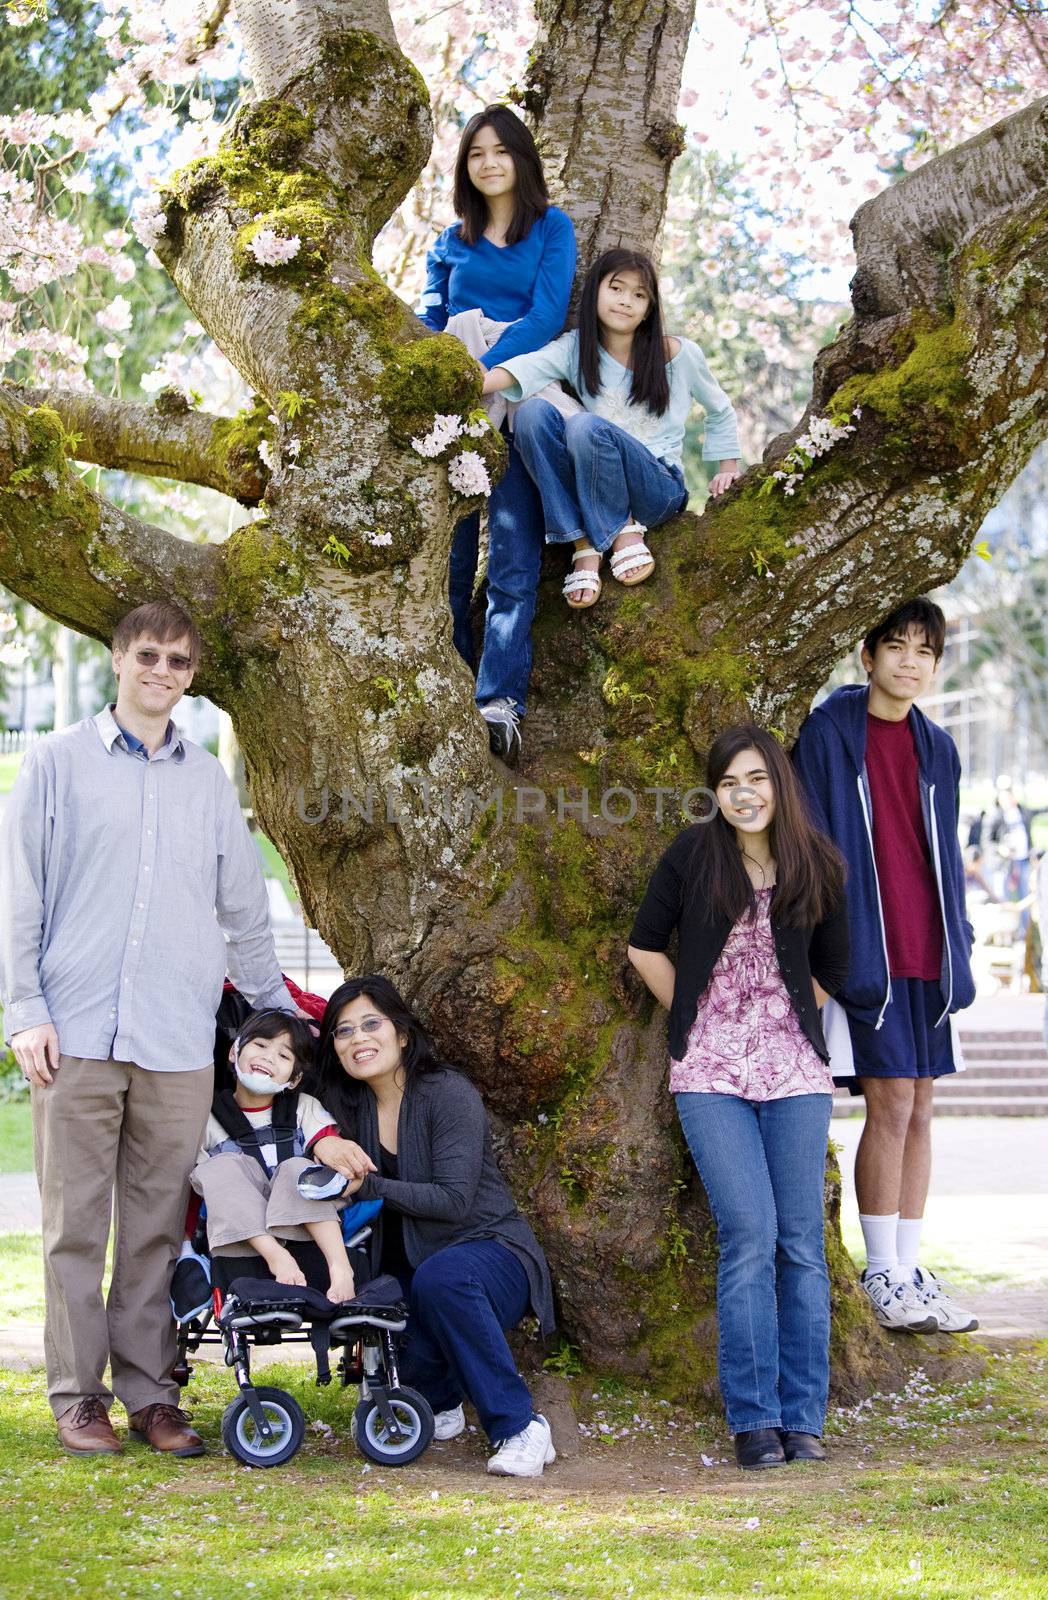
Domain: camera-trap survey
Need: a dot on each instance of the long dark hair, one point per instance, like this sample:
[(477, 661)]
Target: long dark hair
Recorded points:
[(332, 1085), (650, 386), (530, 195), (809, 869)]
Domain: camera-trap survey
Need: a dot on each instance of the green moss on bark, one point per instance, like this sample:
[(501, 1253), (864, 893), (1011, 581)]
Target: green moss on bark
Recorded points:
[(235, 440), (930, 384), (259, 168)]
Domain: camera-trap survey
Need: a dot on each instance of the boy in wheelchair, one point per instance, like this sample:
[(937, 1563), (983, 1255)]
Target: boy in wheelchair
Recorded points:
[(279, 1269), (254, 1150)]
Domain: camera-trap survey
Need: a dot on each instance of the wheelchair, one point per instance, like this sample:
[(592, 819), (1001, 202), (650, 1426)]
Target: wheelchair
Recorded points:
[(265, 1426)]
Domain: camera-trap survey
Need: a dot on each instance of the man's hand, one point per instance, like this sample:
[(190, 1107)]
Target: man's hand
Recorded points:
[(307, 1016), (36, 1051), (342, 1155)]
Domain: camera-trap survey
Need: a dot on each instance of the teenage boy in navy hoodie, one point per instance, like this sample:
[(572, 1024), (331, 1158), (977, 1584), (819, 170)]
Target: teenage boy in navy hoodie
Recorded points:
[(883, 781)]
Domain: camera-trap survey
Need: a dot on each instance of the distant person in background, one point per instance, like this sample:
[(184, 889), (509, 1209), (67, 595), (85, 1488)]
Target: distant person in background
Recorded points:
[(1042, 923), (1010, 833), (976, 887), (975, 831), (883, 781)]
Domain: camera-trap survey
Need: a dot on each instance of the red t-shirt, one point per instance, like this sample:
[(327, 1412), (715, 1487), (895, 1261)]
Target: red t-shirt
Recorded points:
[(909, 897)]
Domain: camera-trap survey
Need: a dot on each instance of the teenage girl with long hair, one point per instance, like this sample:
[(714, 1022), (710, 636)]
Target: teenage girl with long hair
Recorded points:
[(511, 256), (755, 895), (611, 472)]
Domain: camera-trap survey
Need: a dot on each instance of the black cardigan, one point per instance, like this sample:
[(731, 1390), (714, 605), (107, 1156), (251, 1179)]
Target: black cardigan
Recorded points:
[(449, 1188), (804, 953)]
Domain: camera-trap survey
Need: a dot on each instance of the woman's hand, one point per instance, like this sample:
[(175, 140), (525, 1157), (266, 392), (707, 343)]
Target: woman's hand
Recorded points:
[(342, 1155), (725, 476), (821, 995)]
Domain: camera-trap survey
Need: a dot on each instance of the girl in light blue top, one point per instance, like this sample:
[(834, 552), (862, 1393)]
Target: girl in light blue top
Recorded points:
[(608, 474)]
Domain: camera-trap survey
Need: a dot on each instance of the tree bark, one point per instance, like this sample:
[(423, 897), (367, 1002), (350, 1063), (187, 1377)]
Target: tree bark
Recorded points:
[(602, 87), (329, 644), (161, 441)]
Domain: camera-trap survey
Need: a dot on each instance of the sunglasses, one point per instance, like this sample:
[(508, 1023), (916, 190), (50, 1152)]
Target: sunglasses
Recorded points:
[(346, 1030), (150, 658)]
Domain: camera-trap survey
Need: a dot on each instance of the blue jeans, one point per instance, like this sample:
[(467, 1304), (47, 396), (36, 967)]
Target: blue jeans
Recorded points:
[(763, 1167), (514, 563), (592, 476), (462, 1299)]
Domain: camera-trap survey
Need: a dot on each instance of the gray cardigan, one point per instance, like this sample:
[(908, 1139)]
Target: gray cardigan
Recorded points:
[(449, 1188)]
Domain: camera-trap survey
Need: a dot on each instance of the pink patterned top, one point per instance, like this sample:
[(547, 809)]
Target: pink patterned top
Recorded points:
[(746, 1039)]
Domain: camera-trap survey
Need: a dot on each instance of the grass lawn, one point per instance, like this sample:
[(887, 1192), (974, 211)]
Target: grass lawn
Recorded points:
[(16, 1135), (21, 1279), (9, 765), (930, 1496)]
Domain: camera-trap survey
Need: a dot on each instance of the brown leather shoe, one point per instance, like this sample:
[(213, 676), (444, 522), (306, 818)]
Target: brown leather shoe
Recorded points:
[(85, 1429), (166, 1428)]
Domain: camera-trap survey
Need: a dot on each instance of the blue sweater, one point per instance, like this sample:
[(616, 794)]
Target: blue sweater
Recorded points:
[(830, 758), (527, 284)]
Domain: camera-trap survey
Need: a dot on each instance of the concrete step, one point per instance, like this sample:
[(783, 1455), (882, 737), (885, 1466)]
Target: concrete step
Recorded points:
[(1016, 1069), (1005, 1047), (976, 1036), (965, 1082), (988, 1072), (959, 1105)]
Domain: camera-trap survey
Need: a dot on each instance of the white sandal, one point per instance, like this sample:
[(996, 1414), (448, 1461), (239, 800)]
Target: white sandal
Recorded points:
[(632, 558), (582, 589)]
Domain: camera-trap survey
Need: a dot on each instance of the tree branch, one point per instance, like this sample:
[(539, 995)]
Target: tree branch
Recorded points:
[(169, 441), (905, 236), (75, 555), (285, 38)]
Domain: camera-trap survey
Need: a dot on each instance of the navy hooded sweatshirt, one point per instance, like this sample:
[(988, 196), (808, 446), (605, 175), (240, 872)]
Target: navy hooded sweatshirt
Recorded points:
[(830, 758)]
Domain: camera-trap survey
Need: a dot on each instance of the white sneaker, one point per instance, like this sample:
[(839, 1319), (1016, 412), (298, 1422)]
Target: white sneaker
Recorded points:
[(950, 1317), (449, 1424), (896, 1303), (525, 1454), (503, 730)]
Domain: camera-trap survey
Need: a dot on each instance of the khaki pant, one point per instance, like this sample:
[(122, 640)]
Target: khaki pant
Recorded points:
[(243, 1202), (108, 1132)]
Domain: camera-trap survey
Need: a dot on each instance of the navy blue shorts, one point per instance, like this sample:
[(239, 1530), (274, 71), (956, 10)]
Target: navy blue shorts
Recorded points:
[(907, 1044)]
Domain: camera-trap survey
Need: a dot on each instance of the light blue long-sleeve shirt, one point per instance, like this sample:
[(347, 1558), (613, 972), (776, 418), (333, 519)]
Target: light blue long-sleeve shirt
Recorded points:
[(689, 378), (121, 880), (527, 284)]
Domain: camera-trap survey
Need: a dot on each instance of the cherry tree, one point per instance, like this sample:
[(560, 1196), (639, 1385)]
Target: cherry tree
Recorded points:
[(502, 902)]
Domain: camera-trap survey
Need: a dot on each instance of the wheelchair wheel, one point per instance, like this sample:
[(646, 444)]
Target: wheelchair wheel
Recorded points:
[(372, 1436), (243, 1440)]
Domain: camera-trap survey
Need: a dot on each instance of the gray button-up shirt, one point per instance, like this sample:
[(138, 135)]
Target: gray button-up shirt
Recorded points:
[(121, 880)]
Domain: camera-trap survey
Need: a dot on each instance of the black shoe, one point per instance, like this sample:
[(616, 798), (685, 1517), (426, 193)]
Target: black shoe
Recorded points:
[(321, 1183), (801, 1446), (503, 730), (762, 1447)]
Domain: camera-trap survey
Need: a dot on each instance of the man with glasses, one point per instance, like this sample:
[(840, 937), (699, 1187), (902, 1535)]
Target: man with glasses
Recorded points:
[(130, 885)]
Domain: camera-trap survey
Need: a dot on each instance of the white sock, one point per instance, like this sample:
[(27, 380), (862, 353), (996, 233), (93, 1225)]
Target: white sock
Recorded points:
[(908, 1242), (880, 1236)]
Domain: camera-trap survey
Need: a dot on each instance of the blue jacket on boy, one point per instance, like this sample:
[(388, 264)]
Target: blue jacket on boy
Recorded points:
[(830, 758)]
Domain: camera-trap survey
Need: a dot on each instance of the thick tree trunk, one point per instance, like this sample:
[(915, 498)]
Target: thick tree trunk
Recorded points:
[(602, 87), (329, 644)]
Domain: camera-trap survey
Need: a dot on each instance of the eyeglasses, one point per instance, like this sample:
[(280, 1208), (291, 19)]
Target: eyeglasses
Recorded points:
[(150, 658), (346, 1030)]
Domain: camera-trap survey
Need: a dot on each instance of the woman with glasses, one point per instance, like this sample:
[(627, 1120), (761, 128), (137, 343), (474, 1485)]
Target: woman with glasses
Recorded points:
[(413, 1132)]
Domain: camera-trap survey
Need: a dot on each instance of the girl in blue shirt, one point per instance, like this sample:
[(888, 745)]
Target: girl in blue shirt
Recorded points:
[(511, 256), (620, 458)]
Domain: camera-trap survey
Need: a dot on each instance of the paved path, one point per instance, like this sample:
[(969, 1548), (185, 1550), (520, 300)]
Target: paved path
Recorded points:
[(987, 1218), (988, 1210)]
